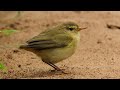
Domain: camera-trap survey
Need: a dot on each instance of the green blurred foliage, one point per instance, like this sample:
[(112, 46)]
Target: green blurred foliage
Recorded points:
[(3, 68), (7, 32)]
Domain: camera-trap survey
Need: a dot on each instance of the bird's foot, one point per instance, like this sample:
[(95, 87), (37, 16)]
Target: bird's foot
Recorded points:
[(60, 71)]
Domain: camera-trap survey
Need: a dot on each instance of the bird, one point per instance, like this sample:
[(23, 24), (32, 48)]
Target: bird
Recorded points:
[(55, 44)]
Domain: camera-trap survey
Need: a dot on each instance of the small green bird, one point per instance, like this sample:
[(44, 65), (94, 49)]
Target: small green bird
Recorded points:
[(55, 44)]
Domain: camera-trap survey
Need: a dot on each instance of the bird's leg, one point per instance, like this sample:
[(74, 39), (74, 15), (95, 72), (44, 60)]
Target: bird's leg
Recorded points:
[(55, 67)]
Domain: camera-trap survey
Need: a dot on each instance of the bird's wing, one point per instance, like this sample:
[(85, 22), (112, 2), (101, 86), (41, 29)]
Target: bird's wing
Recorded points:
[(46, 42)]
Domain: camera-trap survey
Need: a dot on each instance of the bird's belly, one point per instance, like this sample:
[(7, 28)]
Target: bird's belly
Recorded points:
[(57, 55)]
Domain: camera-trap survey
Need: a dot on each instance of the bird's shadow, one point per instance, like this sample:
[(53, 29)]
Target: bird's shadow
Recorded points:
[(42, 74)]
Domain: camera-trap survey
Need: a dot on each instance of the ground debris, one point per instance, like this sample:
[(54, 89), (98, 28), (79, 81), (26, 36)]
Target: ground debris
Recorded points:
[(110, 26)]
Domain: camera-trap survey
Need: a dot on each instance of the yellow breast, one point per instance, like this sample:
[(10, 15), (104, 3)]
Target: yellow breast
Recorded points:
[(59, 54)]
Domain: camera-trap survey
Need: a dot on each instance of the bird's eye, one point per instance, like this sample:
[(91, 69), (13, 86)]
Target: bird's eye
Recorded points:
[(71, 28)]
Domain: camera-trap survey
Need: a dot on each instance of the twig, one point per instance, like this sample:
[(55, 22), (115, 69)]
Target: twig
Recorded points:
[(113, 26)]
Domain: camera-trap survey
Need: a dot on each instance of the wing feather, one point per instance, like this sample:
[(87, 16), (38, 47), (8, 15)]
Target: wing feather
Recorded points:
[(49, 39)]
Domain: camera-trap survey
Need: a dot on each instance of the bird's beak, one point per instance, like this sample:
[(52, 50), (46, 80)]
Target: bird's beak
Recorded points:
[(82, 29)]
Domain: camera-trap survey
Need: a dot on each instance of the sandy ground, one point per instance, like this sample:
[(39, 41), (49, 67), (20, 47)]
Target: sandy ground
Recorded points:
[(97, 56)]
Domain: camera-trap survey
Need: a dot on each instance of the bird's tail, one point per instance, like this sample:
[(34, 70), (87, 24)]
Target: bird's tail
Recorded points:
[(26, 47), (23, 46)]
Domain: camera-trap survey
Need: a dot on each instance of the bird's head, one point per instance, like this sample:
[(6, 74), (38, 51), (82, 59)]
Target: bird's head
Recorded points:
[(72, 27)]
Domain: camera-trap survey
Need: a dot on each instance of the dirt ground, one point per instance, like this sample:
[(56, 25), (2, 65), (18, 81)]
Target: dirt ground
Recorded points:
[(97, 56)]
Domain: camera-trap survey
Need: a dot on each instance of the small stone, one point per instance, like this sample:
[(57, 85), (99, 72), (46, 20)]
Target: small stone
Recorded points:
[(112, 58), (19, 66), (12, 26), (99, 41), (109, 38), (47, 25), (15, 51)]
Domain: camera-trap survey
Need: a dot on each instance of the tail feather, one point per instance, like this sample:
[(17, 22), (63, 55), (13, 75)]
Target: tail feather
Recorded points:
[(23, 46), (26, 47)]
